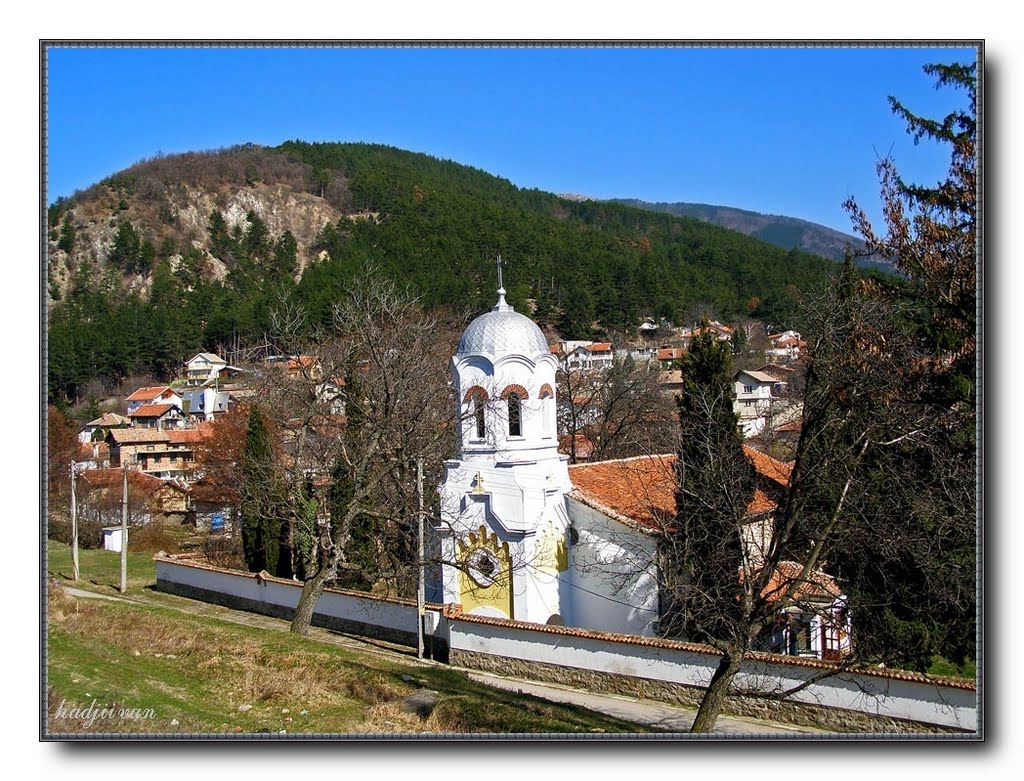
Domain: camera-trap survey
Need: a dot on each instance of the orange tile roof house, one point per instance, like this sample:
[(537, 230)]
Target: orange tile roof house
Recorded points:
[(154, 394), (156, 416)]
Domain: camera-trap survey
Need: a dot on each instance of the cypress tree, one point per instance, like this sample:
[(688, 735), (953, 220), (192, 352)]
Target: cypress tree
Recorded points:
[(715, 483), (261, 523)]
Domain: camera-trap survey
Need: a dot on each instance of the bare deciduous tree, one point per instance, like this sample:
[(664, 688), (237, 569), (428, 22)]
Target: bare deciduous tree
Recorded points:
[(353, 407), (616, 412)]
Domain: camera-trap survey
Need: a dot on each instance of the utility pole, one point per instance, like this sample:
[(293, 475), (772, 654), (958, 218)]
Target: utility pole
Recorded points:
[(124, 530), (74, 527), (421, 588)]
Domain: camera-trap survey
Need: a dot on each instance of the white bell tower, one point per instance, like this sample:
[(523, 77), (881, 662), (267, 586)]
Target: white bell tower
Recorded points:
[(504, 521)]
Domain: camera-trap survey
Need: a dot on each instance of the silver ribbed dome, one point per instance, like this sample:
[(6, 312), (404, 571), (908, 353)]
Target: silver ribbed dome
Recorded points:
[(502, 331)]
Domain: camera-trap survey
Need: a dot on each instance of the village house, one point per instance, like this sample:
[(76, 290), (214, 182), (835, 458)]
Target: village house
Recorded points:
[(669, 356), (203, 368), (214, 507), (159, 416), (753, 395), (97, 429), (722, 333), (156, 394), (785, 347), (156, 452), (762, 401), (205, 403), (296, 366), (150, 499), (596, 356), (645, 354)]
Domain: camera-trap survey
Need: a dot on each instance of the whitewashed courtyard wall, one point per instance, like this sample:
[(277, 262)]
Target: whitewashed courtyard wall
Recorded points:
[(886, 701), (344, 611)]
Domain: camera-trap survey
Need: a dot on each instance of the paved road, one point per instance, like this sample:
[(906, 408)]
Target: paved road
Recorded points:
[(647, 712), (653, 714)]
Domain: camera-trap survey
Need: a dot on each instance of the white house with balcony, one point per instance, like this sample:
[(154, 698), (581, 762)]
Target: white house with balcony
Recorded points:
[(202, 368), (755, 393)]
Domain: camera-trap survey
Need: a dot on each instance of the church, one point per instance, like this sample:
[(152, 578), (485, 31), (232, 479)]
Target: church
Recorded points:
[(527, 537)]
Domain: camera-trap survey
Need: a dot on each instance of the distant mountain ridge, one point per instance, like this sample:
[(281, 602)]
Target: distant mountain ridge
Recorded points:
[(784, 232)]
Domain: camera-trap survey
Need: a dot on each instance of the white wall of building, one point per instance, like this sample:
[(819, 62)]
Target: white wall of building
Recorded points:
[(612, 581)]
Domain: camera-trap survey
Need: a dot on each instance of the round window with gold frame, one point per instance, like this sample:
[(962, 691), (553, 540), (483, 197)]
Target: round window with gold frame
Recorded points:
[(483, 567)]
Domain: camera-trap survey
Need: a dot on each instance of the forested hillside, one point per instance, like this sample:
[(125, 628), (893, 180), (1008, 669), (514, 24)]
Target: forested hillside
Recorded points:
[(192, 252)]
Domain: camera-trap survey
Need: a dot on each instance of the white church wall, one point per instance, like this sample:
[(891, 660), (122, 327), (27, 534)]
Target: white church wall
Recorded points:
[(612, 582)]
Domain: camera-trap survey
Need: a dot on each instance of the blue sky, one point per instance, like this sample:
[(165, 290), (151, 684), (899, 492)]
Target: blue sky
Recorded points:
[(783, 130)]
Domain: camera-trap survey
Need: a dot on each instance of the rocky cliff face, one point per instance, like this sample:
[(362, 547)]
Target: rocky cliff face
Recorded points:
[(179, 217)]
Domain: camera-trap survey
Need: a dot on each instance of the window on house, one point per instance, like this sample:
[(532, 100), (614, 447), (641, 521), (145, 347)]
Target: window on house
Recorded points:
[(515, 415), (478, 414), (748, 388), (800, 636)]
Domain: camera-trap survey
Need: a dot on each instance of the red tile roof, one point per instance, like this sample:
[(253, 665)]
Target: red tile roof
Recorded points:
[(107, 478), (187, 436), (151, 411), (816, 587), (599, 347), (149, 393), (670, 353), (641, 490), (769, 467)]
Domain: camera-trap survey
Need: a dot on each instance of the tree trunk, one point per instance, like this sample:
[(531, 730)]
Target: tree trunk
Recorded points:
[(714, 698), (311, 591)]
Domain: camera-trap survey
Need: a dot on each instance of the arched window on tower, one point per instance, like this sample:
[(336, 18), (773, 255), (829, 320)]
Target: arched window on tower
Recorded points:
[(475, 424), (547, 402), (515, 415), (478, 416)]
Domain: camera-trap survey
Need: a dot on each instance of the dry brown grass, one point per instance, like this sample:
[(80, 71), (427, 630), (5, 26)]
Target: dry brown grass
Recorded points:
[(238, 668), (208, 676), (154, 537)]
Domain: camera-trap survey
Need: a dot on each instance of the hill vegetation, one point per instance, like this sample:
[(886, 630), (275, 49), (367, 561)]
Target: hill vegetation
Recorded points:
[(194, 251), (784, 232)]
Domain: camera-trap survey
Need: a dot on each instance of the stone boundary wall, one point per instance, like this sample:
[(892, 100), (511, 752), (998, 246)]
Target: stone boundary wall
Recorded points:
[(673, 672), (350, 612)]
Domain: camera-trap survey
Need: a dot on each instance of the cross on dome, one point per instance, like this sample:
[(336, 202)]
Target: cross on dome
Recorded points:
[(502, 305)]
